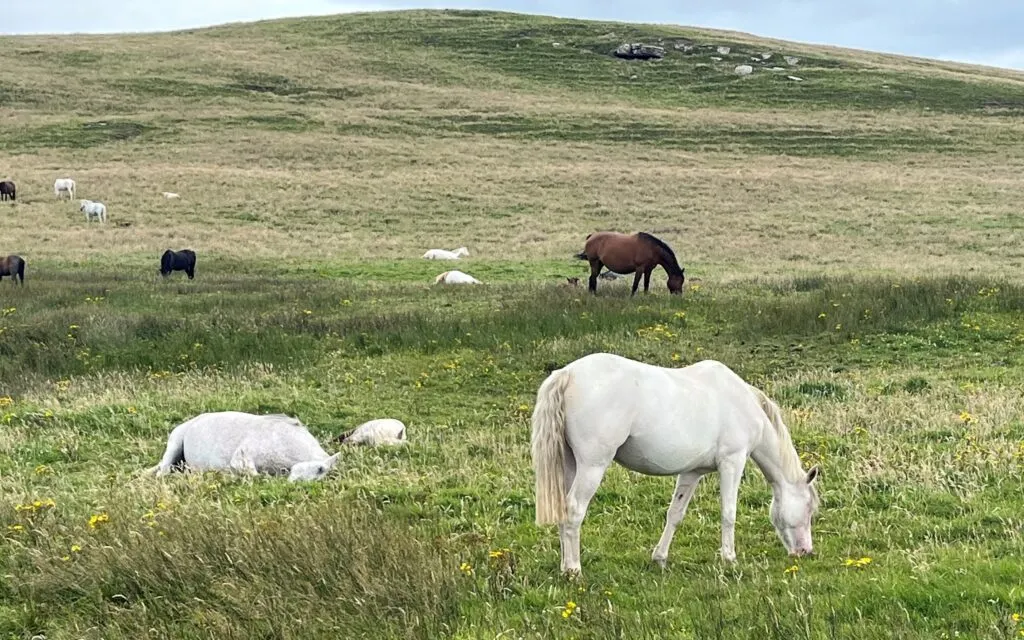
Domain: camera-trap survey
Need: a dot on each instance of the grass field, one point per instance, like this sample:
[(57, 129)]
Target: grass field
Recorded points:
[(854, 248)]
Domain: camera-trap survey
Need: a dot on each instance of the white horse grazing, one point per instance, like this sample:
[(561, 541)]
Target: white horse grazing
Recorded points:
[(247, 444), (92, 210), (687, 422), (63, 186), (455, 277), (376, 432), (443, 254), (170, 195)]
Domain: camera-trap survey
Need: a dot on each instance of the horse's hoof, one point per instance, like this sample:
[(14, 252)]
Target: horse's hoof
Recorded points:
[(572, 574), (661, 562)]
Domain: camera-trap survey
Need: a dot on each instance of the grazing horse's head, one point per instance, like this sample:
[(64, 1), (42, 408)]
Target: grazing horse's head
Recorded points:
[(793, 506), (675, 282)]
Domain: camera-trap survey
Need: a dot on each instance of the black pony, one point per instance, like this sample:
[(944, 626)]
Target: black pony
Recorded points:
[(7, 190), (184, 260), (13, 266)]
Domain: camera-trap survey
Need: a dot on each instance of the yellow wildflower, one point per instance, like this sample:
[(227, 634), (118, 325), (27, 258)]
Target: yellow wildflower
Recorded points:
[(75, 548), (967, 418), (42, 470), (791, 570), (822, 315), (15, 528), (570, 608), (5, 401), (97, 520), (466, 568)]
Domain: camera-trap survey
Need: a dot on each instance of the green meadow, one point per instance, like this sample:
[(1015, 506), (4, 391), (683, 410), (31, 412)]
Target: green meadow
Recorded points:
[(851, 242)]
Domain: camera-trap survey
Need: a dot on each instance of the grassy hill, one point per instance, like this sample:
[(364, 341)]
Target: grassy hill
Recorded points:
[(852, 239)]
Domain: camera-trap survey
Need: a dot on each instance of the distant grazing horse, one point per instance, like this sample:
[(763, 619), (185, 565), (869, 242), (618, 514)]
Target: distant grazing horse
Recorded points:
[(91, 209), (63, 186), (247, 444), (442, 254), (639, 253), (13, 266), (184, 260), (455, 277), (7, 190), (686, 422), (376, 432)]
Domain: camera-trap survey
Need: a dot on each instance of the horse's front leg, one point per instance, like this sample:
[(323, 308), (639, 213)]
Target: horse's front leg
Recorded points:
[(730, 472), (636, 281), (647, 280), (686, 485)]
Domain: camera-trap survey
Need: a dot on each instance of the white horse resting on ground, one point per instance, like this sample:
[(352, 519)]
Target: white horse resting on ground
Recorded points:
[(376, 432), (170, 195), (247, 444), (443, 254), (688, 422), (96, 210), (455, 277), (63, 186)]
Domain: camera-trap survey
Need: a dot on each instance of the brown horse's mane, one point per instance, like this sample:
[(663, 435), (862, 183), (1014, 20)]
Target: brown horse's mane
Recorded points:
[(671, 263)]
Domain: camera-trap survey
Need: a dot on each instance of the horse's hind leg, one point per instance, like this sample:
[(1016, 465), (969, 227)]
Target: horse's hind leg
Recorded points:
[(584, 486), (595, 269), (686, 484)]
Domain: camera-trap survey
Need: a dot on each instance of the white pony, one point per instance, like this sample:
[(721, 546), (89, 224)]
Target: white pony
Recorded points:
[(687, 422), (455, 277), (376, 432), (170, 195), (62, 186), (92, 210), (443, 254), (247, 444)]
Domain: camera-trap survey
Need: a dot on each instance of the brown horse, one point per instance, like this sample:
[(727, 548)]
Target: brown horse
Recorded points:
[(7, 190), (13, 266), (639, 253)]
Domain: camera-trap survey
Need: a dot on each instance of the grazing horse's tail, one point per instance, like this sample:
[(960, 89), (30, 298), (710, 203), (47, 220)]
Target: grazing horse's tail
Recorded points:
[(548, 448), (21, 270)]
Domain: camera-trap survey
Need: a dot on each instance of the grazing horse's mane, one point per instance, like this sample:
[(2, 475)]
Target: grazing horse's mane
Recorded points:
[(672, 264)]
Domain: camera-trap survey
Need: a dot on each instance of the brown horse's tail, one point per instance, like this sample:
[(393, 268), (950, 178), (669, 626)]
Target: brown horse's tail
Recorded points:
[(21, 270)]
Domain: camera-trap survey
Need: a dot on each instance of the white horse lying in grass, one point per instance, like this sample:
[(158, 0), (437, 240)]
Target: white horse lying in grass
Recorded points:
[(170, 195), (91, 209), (455, 277), (62, 186), (443, 254), (246, 444), (687, 422), (376, 432)]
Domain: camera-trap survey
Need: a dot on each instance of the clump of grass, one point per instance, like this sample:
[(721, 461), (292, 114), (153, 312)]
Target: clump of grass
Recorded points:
[(337, 567)]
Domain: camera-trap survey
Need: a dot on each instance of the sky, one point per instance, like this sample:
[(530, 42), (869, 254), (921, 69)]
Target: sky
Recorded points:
[(979, 31)]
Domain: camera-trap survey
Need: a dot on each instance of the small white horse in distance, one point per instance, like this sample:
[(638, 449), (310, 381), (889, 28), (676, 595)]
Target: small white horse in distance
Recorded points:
[(247, 444), (455, 277), (443, 254), (385, 431), (688, 422), (92, 210), (63, 186), (170, 195)]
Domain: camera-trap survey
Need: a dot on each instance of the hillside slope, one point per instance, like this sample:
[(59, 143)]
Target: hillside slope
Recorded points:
[(372, 136)]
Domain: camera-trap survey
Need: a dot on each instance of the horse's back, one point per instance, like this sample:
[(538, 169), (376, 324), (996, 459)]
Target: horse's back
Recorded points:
[(665, 421)]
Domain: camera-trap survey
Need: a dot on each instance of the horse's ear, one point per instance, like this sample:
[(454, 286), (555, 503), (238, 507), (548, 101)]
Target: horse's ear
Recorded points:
[(330, 462), (813, 474)]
